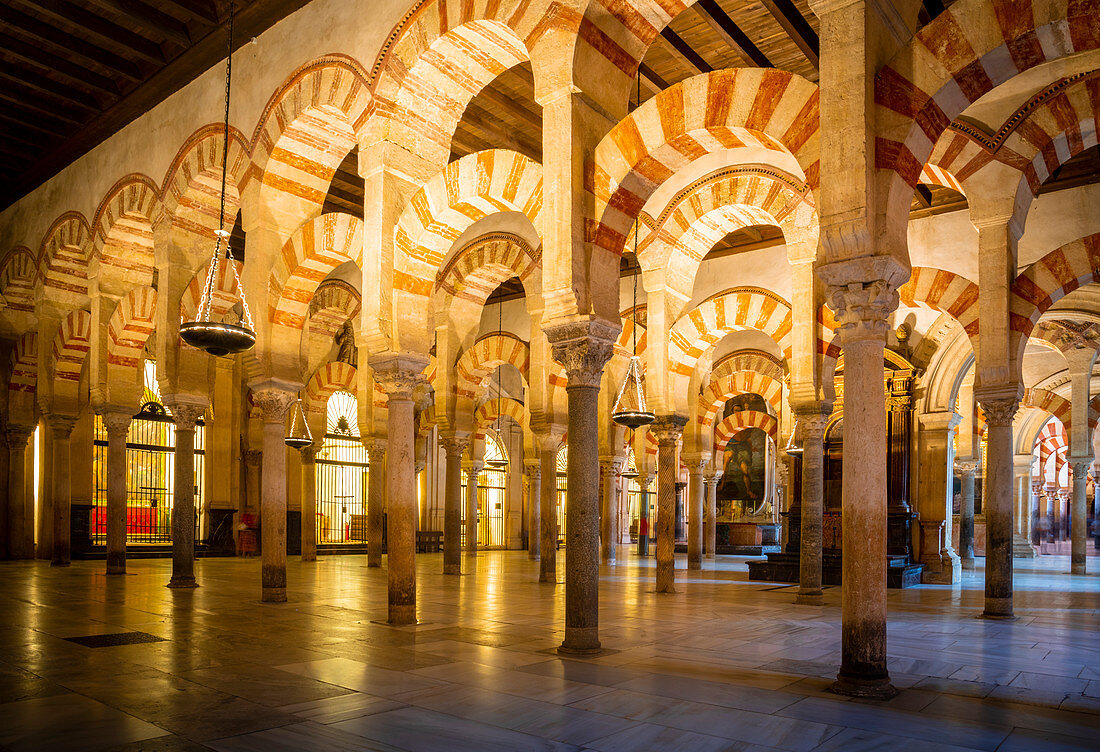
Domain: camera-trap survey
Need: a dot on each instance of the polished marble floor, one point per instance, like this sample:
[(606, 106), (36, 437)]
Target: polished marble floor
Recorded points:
[(725, 664)]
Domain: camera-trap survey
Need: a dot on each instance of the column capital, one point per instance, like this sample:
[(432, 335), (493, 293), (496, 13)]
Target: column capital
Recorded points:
[(454, 444), (1000, 409), (308, 454), (812, 421), (547, 435), (694, 461), (1081, 465), (274, 402), (533, 468), (116, 420), (583, 349), (863, 309), (252, 457), (186, 410), (667, 429), (376, 448), (61, 426), (398, 375), (18, 436), (966, 467), (472, 469)]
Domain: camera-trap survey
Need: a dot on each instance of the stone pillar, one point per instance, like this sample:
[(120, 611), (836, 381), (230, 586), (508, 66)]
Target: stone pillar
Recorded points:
[(696, 492), (934, 499), (862, 309), (309, 502), (274, 403), (186, 413), (472, 470), (609, 528), (117, 422), (1021, 515), (1079, 535), (999, 413), (453, 445), (966, 469), (583, 348), (710, 525), (20, 489), (534, 507), (61, 427), (253, 458), (667, 429), (548, 529), (376, 498), (813, 423), (399, 375)]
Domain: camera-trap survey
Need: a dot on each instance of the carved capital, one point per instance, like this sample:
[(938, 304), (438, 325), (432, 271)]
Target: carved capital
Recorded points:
[(274, 404), (455, 445), (186, 412), (863, 309), (1080, 465), (376, 450), (966, 467), (399, 376), (472, 470), (117, 422), (252, 457), (1000, 411), (61, 426), (694, 462), (583, 349), (18, 436), (813, 423), (668, 429), (533, 469)]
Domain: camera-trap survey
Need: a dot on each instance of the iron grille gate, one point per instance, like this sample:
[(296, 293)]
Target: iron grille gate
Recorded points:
[(150, 477), (341, 477)]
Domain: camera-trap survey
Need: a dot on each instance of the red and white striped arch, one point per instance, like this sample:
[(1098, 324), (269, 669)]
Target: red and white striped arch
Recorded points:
[(723, 385), (335, 303), (492, 408), (743, 420), (476, 364), (64, 256), (17, 279), (933, 174), (122, 238), (724, 109), (24, 364), (1046, 282), (310, 255), (480, 267), (945, 292), (1051, 441), (330, 378), (1048, 402), (130, 326), (71, 346)]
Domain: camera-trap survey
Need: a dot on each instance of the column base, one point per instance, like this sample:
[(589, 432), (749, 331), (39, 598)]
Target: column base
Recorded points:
[(877, 688), (309, 557), (968, 564), (1077, 568), (116, 563), (61, 563), (533, 556), (452, 569), (998, 609), (708, 556), (945, 569), (695, 564), (544, 577), (810, 598), (1021, 549), (116, 570), (401, 616), (580, 641), (373, 564), (188, 582), (670, 589), (274, 595)]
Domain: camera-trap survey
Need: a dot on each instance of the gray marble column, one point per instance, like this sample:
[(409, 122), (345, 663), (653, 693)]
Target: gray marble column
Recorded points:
[(117, 422), (966, 470), (999, 410), (696, 492), (813, 423), (546, 444), (453, 445), (667, 429), (472, 470), (862, 310), (309, 502), (608, 508), (398, 376), (532, 468), (20, 488), (274, 403), (61, 427), (186, 413), (710, 522), (1079, 535), (376, 499), (583, 349)]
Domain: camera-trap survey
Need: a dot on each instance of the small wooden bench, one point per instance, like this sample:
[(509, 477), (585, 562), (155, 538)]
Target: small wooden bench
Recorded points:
[(429, 541)]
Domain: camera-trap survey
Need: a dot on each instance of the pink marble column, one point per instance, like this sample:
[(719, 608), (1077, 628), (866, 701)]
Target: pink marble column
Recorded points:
[(398, 376), (813, 423), (862, 309), (1079, 536), (583, 348), (453, 445), (696, 492), (274, 403), (117, 422), (710, 523), (20, 489), (186, 413), (61, 427), (473, 470), (667, 430), (376, 499), (309, 502), (532, 468), (1000, 410), (966, 469)]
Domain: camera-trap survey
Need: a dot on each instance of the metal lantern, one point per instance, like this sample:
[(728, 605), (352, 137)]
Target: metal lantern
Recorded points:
[(793, 448), (216, 337), (299, 435), (630, 408)]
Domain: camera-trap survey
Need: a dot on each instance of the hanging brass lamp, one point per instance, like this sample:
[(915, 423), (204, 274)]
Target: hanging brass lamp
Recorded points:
[(216, 337), (630, 407), (793, 448), (299, 435)]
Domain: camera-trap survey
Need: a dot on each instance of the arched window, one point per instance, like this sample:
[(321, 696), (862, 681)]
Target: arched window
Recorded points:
[(341, 474), (492, 494)]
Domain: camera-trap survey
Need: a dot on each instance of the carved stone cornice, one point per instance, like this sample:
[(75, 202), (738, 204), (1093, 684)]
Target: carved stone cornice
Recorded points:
[(668, 429), (273, 403), (583, 349)]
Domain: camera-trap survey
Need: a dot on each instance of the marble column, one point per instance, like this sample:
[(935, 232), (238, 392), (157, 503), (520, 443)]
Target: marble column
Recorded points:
[(398, 376), (609, 476), (710, 524), (583, 349), (1079, 535), (309, 502), (1000, 410), (934, 497), (863, 310), (696, 492), (546, 444), (376, 498), (453, 445), (667, 429), (61, 428), (20, 490), (186, 414), (813, 423), (966, 469), (117, 422), (1021, 514), (274, 403), (472, 470), (533, 468)]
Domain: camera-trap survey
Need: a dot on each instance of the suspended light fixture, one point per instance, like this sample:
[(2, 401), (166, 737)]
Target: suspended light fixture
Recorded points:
[(215, 337), (299, 435), (498, 463), (793, 448)]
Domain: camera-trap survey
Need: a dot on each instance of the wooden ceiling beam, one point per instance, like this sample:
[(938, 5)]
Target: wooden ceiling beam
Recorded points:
[(202, 11), (492, 132), (512, 107), (149, 18), (797, 28), (87, 24), (21, 154), (711, 12), (684, 52), (48, 126), (66, 42), (30, 53), (18, 98), (49, 87)]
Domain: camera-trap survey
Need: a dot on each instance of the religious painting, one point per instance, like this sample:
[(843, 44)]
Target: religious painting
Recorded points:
[(741, 490)]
